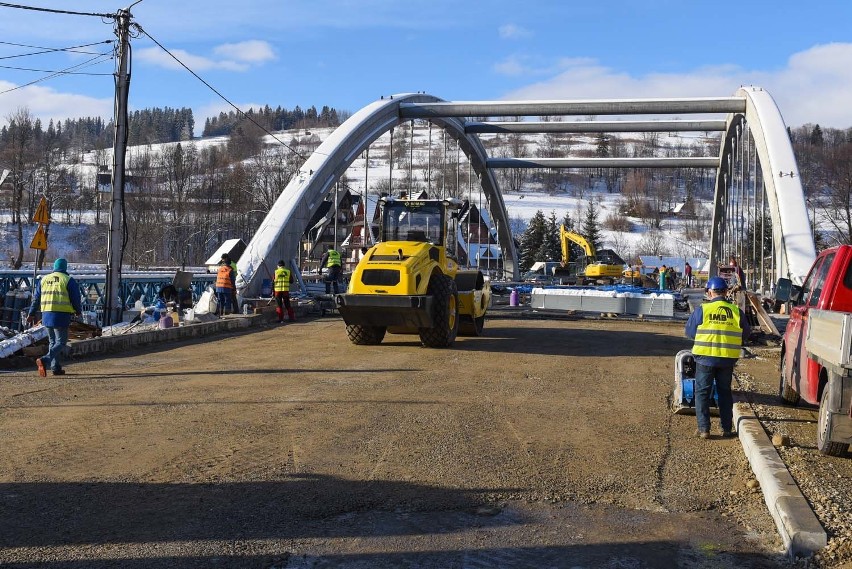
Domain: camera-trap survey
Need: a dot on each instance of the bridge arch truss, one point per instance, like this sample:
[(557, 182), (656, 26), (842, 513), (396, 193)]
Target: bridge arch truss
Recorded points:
[(758, 190)]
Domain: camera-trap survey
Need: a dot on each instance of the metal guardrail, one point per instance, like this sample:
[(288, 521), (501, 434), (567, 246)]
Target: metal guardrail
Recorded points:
[(16, 290)]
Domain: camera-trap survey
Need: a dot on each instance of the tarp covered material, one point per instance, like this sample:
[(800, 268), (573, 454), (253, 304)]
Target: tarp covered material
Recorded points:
[(22, 340)]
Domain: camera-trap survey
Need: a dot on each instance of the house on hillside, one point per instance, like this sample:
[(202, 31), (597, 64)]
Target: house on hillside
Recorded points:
[(132, 183)]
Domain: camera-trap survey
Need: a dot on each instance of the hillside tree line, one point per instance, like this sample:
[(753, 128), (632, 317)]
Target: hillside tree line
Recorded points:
[(185, 198)]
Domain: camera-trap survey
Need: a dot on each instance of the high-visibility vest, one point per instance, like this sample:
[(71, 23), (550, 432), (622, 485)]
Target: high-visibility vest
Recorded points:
[(54, 293), (720, 333), (223, 277), (333, 258), (282, 280), (234, 267)]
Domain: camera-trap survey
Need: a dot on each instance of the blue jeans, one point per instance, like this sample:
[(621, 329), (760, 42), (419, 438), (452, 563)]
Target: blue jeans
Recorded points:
[(704, 376), (57, 337), (224, 301)]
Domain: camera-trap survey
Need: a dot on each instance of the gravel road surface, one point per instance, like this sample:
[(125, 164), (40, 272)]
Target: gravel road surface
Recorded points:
[(544, 443)]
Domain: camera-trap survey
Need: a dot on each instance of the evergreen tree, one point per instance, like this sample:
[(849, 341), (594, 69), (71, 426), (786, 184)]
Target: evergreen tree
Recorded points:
[(591, 226), (816, 136), (568, 221), (552, 246), (531, 241)]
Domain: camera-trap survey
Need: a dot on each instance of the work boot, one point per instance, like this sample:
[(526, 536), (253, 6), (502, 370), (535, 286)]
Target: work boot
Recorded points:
[(41, 369), (702, 434), (728, 434), (59, 372)]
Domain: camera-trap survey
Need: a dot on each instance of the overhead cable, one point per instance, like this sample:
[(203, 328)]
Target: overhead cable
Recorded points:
[(73, 49), (62, 72), (53, 11), (223, 97), (51, 71)]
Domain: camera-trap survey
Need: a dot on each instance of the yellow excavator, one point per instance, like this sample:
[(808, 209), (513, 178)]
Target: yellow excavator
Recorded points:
[(598, 267)]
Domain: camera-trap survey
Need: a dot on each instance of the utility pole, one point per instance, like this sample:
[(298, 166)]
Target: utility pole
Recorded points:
[(115, 239)]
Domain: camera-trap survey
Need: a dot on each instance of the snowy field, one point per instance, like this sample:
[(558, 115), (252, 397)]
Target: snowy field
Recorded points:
[(65, 237)]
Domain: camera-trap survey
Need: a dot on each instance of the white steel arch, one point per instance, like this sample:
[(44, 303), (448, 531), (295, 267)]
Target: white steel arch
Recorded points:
[(791, 232), (280, 233)]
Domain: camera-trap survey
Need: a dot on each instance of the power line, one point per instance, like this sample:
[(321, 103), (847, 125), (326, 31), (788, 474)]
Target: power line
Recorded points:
[(72, 49), (52, 11), (223, 97), (51, 71), (62, 72)]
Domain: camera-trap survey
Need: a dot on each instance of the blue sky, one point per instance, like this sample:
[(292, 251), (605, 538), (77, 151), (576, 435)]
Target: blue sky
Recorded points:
[(347, 53)]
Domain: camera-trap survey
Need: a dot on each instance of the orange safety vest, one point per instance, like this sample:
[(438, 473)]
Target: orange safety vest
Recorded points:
[(223, 277)]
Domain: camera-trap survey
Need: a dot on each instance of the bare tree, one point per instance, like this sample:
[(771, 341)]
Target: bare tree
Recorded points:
[(838, 168), (20, 155)]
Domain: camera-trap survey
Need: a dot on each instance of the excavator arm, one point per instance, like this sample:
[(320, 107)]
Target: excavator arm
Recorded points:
[(567, 237)]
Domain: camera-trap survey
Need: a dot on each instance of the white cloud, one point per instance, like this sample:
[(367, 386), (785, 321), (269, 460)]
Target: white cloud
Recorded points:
[(232, 57), (517, 65), (513, 32), (45, 103), (814, 87), (512, 65), (252, 51)]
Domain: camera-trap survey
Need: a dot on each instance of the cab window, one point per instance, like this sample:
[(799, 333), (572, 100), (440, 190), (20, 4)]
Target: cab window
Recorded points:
[(808, 285), (819, 282)]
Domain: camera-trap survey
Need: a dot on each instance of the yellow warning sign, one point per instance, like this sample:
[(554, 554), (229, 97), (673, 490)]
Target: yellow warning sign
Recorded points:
[(39, 239), (41, 215)]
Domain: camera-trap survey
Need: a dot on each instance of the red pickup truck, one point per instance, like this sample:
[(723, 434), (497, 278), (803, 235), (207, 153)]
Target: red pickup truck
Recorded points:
[(816, 355)]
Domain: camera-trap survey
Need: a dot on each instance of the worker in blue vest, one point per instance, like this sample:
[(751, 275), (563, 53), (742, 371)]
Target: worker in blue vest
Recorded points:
[(331, 261), (57, 295), (281, 288), (719, 329)]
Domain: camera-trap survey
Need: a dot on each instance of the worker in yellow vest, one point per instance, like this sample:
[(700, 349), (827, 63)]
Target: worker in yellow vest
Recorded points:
[(331, 261), (281, 288), (719, 330), (57, 295)]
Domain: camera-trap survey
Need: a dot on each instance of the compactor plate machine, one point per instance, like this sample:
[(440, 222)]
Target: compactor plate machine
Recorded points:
[(683, 400), (410, 281)]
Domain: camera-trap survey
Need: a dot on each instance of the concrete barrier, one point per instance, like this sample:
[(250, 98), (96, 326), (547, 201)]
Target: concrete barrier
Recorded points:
[(120, 342), (796, 522)]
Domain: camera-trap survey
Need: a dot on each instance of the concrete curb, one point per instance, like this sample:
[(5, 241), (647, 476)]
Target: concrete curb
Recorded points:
[(121, 342), (796, 522)]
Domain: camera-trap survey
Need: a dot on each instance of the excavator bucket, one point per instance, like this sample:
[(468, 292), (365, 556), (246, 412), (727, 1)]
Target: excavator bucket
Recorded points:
[(683, 399)]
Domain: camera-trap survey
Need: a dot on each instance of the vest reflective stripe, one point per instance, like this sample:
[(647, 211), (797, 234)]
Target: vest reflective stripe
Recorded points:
[(333, 258), (720, 333), (54, 293), (223, 277), (282, 280)]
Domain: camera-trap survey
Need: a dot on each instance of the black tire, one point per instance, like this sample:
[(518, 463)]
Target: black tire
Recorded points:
[(825, 445), (786, 393), (446, 317), (365, 335), (470, 326)]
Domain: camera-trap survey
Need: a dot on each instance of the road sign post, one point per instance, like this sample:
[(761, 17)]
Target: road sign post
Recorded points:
[(39, 242)]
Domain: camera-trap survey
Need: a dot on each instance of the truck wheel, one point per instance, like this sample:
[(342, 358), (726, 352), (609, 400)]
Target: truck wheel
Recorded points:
[(365, 335), (786, 393), (824, 444), (446, 318), (470, 326)]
